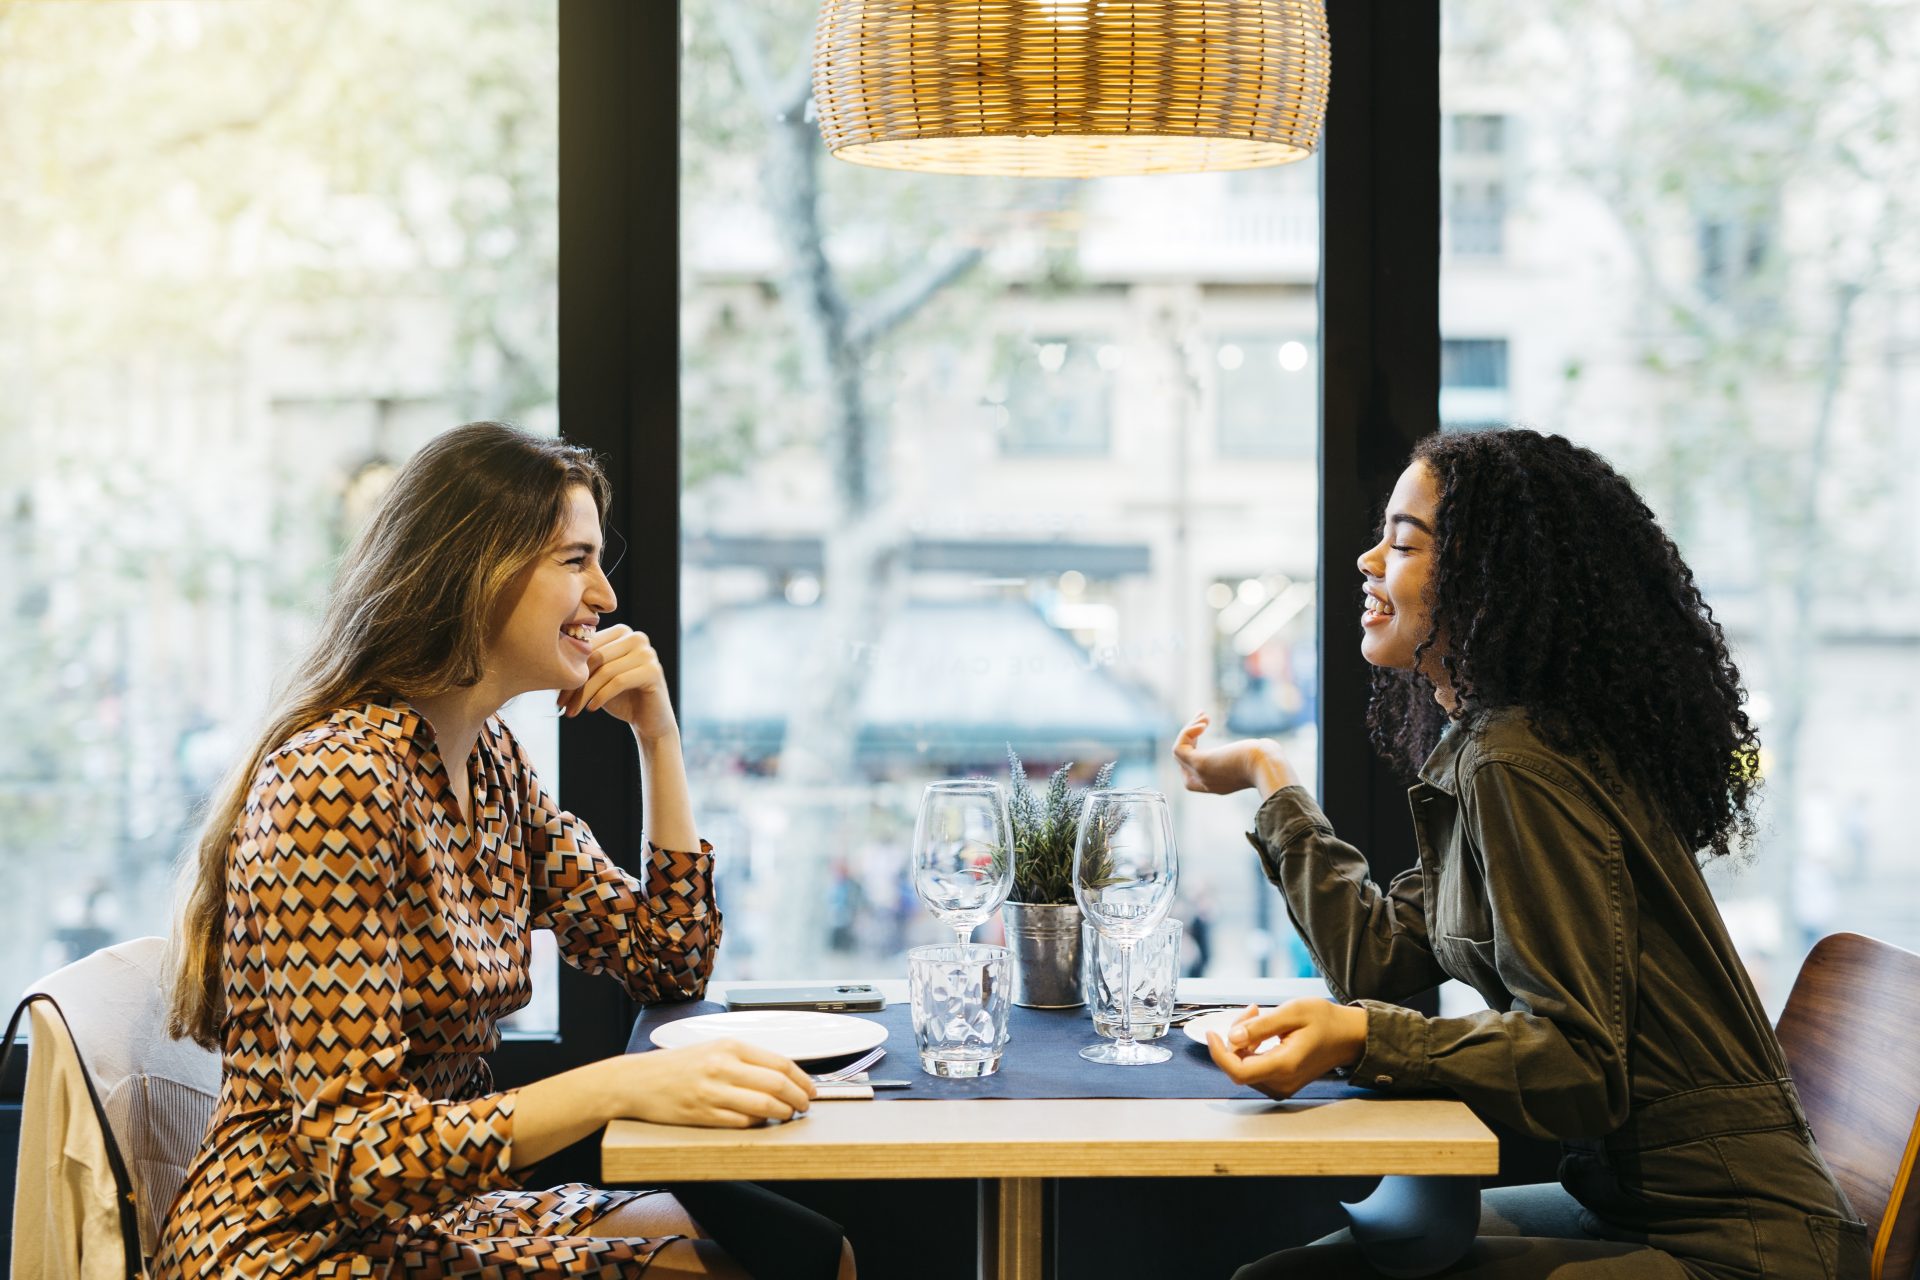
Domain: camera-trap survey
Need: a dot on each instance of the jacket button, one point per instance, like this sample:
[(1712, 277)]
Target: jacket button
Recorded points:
[(1385, 1082)]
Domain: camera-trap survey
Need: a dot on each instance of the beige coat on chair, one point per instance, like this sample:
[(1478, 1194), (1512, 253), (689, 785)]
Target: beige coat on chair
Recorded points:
[(157, 1094)]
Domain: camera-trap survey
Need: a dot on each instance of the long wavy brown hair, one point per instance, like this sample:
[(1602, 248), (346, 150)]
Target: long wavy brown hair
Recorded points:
[(1559, 593), (410, 615)]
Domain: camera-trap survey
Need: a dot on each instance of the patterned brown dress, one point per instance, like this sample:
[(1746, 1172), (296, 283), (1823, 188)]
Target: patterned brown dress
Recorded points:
[(373, 945)]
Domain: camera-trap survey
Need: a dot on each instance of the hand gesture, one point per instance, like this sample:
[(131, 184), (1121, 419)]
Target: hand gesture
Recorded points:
[(722, 1084), (1232, 766), (624, 677), (1315, 1037)]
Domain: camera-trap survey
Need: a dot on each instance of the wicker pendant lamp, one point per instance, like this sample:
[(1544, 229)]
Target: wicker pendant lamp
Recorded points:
[(1071, 88)]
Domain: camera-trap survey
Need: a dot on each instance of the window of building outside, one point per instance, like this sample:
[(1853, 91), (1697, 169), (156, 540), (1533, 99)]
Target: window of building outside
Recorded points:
[(1050, 397), (1715, 271), (1266, 396), (1475, 180), (1473, 382), (965, 498), (251, 256)]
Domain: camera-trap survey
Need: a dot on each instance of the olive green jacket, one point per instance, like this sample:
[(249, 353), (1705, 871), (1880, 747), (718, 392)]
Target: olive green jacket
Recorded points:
[(1557, 893)]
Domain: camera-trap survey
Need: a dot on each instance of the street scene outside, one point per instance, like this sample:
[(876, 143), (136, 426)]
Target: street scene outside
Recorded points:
[(967, 463), (973, 464), (934, 426)]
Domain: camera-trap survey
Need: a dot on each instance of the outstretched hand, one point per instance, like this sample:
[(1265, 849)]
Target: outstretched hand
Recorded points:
[(1232, 766), (1315, 1037)]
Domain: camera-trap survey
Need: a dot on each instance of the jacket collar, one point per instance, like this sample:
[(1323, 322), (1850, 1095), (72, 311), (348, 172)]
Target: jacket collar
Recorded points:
[(1442, 769), (1506, 729)]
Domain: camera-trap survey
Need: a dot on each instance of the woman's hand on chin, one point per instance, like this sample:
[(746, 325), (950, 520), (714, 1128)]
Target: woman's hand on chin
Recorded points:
[(624, 677), (1232, 766)]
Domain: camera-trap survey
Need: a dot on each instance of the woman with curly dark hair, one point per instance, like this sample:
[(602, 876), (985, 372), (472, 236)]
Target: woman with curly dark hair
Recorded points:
[(1546, 664)]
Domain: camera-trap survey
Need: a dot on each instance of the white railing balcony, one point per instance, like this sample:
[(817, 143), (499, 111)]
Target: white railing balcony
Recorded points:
[(1130, 232), (1258, 238)]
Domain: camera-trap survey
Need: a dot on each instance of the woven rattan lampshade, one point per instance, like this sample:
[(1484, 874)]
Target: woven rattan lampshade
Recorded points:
[(1071, 88)]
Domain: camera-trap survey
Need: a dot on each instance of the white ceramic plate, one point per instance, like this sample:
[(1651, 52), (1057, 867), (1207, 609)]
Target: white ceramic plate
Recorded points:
[(1220, 1020), (795, 1033)]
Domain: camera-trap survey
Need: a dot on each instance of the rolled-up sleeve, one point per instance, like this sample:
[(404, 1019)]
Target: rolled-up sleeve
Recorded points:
[(1367, 941), (1555, 1062), (658, 937), (323, 880)]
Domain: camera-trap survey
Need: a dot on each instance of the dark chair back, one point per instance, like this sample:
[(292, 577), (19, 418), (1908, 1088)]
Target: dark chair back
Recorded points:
[(1851, 1032)]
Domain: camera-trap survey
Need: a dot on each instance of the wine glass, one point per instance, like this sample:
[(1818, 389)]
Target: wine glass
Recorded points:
[(1124, 873), (963, 853)]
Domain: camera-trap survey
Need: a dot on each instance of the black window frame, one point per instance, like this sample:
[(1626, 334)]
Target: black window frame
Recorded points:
[(1379, 370), (619, 340)]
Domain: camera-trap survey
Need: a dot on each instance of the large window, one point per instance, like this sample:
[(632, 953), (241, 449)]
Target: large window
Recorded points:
[(251, 256), (1712, 269), (952, 485)]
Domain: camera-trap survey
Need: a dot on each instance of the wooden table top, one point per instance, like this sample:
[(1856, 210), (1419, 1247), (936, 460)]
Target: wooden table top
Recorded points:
[(988, 1138), (1000, 1138)]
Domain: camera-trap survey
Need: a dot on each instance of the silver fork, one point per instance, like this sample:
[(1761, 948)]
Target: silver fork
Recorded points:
[(853, 1068), (1190, 1012)]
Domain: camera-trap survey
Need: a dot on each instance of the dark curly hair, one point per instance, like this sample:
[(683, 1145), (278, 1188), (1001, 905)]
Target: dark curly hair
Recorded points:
[(1559, 594)]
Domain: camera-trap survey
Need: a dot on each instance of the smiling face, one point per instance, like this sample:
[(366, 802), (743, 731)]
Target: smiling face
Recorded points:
[(546, 631), (1395, 615)]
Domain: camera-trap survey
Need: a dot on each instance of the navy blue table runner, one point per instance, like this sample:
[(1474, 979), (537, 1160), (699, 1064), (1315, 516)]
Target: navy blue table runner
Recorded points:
[(1042, 1061)]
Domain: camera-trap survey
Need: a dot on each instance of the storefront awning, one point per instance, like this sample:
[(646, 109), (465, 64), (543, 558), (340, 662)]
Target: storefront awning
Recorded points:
[(946, 681)]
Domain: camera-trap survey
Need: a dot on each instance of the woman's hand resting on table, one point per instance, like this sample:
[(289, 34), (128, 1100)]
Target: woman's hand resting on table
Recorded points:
[(1232, 766), (1315, 1037), (722, 1084)]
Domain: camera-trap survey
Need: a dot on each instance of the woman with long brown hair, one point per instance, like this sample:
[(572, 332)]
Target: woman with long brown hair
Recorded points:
[(363, 894)]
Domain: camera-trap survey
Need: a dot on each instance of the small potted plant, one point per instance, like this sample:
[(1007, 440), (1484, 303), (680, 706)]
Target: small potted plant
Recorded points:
[(1042, 918)]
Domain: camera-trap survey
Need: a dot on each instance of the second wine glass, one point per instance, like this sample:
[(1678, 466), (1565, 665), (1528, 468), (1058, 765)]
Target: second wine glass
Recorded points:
[(963, 853), (1125, 870)]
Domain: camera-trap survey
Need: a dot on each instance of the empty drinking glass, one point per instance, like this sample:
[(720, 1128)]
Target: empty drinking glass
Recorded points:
[(1125, 871), (961, 995), (1156, 974), (963, 853)]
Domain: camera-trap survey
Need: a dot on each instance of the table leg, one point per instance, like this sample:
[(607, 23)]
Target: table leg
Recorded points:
[(1013, 1237)]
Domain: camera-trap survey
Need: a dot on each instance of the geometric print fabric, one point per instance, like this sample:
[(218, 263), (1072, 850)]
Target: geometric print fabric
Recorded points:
[(373, 943)]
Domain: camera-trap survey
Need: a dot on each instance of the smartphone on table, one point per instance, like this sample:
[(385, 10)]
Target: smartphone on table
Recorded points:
[(846, 997)]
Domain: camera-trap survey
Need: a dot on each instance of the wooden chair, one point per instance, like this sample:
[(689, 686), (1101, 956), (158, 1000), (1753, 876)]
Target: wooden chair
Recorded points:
[(1851, 1031)]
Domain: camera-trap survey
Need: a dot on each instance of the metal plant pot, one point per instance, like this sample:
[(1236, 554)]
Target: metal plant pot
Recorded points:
[(1045, 938)]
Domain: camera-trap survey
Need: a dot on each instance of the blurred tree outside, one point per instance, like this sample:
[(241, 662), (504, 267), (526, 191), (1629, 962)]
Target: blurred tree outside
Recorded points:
[(224, 229), (862, 255), (1760, 162)]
